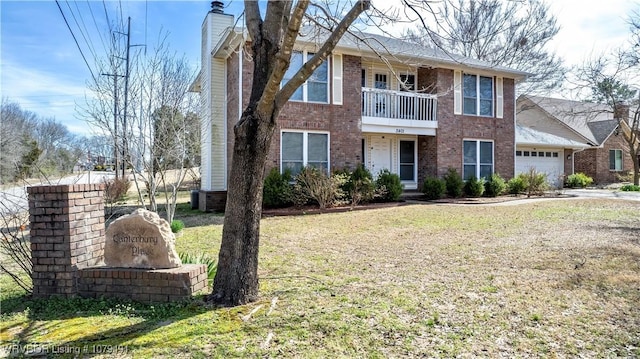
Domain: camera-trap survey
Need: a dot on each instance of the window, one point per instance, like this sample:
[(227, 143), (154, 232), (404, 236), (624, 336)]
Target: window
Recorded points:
[(615, 160), (477, 92), (478, 159), (316, 88), (518, 153), (407, 160), (299, 149)]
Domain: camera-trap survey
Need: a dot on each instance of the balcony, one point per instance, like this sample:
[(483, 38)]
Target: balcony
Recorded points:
[(401, 112)]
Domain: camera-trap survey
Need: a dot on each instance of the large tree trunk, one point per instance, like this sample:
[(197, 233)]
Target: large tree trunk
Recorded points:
[(236, 280)]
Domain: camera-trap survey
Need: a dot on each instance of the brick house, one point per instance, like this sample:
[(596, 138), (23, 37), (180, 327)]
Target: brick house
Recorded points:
[(587, 135), (385, 103)]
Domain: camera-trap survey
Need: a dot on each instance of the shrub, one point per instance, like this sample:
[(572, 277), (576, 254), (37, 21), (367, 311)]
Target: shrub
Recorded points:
[(313, 185), (474, 187), (494, 186), (516, 185), (434, 188), (277, 191), (116, 189), (630, 188), (579, 180), (536, 182), (360, 186), (388, 186), (454, 183), (177, 225)]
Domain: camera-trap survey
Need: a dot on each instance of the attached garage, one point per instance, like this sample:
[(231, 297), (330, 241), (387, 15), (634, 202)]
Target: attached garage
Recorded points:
[(548, 161), (545, 153)]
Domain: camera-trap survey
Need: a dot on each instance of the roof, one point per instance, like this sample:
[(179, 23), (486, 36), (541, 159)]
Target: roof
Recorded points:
[(375, 44), (592, 121), (602, 129), (529, 136)]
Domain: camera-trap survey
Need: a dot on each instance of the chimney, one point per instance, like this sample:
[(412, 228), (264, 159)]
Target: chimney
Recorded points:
[(217, 7), (621, 111)]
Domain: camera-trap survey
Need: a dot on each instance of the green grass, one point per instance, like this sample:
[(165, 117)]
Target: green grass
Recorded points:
[(419, 280)]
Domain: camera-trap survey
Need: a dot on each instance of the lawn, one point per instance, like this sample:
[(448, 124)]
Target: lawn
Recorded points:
[(543, 279)]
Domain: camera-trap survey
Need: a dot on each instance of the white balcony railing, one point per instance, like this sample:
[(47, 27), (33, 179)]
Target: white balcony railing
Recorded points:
[(398, 105)]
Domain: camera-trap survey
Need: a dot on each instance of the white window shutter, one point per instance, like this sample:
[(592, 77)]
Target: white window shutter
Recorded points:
[(337, 79), (499, 97), (457, 92)]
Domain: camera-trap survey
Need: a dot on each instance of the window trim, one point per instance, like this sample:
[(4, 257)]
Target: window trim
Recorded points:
[(615, 150), (305, 146), (477, 162), (478, 98), (304, 86)]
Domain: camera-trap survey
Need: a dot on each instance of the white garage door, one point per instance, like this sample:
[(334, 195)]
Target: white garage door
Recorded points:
[(549, 161)]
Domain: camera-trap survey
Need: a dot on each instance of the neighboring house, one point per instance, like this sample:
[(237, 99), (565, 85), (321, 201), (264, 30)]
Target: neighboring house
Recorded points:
[(585, 136), (416, 113)]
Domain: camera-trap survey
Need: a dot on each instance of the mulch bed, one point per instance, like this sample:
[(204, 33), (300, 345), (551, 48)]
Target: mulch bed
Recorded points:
[(408, 198)]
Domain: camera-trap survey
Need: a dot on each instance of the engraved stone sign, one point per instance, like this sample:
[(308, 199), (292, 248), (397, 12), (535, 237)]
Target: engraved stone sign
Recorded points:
[(140, 240)]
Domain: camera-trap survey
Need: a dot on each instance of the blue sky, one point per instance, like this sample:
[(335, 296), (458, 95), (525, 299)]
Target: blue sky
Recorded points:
[(42, 69)]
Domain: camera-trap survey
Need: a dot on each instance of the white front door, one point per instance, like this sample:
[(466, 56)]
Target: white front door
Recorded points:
[(380, 154)]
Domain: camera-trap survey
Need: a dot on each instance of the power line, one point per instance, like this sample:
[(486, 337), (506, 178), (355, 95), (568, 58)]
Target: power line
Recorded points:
[(76, 41), (95, 22), (85, 33)]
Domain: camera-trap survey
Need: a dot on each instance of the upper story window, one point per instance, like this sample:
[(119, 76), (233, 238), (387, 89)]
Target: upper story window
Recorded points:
[(316, 88), (477, 92)]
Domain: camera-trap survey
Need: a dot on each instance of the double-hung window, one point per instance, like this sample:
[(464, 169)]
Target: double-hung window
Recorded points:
[(478, 159), (303, 148), (477, 93), (316, 88), (615, 160)]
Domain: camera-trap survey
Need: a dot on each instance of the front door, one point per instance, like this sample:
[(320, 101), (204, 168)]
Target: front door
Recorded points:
[(380, 154)]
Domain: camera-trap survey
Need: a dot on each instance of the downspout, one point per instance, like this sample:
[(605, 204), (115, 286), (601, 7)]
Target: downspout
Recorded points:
[(573, 160)]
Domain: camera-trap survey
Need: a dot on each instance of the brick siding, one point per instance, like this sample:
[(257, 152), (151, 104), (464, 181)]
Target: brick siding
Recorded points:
[(67, 251), (594, 162)]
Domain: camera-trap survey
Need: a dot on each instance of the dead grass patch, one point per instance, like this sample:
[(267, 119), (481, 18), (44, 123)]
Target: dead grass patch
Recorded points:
[(541, 279)]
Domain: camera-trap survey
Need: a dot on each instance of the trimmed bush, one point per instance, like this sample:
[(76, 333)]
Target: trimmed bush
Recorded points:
[(474, 187), (277, 191), (177, 225), (360, 186), (494, 186), (434, 188), (579, 180), (454, 183), (388, 186), (516, 185), (630, 188)]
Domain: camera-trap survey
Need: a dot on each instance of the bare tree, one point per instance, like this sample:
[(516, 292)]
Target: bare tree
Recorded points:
[(272, 40), (514, 34), (612, 80), (152, 135)]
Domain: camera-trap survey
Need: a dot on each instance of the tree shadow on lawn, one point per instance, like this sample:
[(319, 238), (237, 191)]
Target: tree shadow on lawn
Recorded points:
[(41, 312)]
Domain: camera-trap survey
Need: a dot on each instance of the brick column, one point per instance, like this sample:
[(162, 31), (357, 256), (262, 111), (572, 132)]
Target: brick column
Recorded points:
[(67, 234)]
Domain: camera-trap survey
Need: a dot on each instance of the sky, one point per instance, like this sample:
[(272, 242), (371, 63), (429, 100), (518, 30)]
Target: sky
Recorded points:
[(43, 70)]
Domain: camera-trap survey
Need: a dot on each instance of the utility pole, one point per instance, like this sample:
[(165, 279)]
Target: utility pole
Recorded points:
[(126, 97)]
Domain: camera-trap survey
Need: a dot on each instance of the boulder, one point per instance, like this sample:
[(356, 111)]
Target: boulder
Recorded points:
[(140, 240)]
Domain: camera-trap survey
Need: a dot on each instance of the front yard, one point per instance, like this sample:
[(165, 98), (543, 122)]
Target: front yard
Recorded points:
[(542, 279)]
